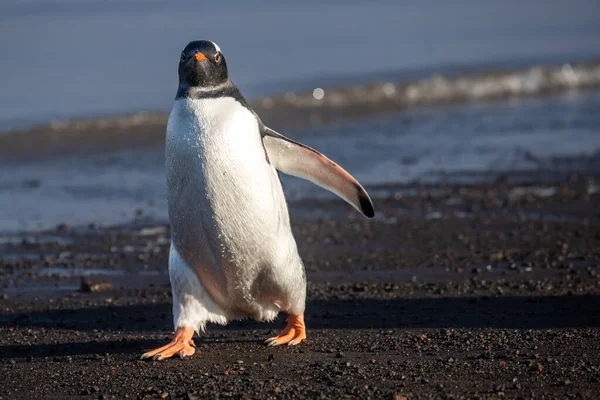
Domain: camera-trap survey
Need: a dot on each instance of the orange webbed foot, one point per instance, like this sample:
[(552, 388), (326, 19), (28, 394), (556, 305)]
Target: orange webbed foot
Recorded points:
[(181, 345), (293, 334)]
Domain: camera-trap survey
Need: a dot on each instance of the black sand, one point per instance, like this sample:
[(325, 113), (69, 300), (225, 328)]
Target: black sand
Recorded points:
[(484, 291)]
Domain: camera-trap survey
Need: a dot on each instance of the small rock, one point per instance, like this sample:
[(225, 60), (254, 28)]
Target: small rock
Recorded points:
[(89, 285)]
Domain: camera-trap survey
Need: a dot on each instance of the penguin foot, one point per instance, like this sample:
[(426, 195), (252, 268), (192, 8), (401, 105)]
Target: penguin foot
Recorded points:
[(181, 345), (294, 332)]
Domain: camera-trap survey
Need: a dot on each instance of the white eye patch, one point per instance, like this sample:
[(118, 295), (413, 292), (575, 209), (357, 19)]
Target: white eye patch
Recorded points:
[(217, 47)]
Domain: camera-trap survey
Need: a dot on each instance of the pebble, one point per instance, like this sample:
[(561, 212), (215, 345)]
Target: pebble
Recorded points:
[(96, 285)]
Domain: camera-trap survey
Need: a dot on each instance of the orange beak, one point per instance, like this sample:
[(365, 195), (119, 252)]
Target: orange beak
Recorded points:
[(199, 56)]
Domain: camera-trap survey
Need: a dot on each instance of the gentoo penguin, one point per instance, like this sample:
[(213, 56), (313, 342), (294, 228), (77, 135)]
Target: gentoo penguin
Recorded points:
[(232, 252)]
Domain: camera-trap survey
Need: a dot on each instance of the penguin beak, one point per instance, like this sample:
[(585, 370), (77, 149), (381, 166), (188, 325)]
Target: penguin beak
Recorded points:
[(199, 56)]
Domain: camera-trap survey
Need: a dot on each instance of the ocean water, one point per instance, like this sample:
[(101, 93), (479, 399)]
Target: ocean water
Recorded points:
[(65, 59), (460, 143)]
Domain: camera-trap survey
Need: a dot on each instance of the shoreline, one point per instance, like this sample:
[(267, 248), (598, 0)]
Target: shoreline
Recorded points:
[(566, 194)]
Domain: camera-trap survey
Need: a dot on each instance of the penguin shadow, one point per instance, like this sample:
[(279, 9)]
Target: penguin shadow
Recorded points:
[(504, 312), (509, 312)]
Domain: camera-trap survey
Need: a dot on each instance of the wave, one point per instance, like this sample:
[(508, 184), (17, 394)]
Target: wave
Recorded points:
[(322, 105)]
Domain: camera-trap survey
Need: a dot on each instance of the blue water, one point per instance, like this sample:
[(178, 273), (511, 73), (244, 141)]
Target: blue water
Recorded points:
[(91, 58), (441, 144), (78, 58), (460, 142)]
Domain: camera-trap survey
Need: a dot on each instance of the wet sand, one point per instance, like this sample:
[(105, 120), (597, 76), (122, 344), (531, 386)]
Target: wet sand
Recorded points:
[(480, 291)]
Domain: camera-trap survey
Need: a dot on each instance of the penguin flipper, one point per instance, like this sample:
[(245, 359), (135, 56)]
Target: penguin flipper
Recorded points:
[(296, 159)]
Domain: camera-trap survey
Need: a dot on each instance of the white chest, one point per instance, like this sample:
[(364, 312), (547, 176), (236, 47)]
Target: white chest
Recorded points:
[(218, 132), (219, 182), (215, 145)]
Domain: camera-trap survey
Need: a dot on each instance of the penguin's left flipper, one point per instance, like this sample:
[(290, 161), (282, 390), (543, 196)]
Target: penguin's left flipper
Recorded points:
[(296, 159)]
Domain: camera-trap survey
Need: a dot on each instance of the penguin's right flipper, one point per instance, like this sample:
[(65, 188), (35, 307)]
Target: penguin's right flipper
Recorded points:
[(298, 160)]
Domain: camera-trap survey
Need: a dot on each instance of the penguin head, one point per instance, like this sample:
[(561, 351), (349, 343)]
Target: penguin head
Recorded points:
[(202, 64)]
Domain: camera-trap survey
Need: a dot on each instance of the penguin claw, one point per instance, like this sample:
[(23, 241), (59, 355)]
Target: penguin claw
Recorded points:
[(182, 345), (293, 334)]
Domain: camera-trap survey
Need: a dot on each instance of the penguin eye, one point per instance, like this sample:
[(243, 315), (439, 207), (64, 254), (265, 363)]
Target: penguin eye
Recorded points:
[(183, 57), (217, 57)]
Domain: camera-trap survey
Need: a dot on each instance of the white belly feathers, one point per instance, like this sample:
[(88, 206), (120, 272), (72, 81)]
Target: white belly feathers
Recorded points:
[(228, 215)]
